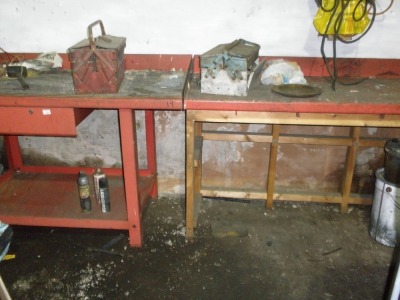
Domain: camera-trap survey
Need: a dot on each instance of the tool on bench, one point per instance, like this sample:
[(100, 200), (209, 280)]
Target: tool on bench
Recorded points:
[(228, 69), (20, 73), (98, 64)]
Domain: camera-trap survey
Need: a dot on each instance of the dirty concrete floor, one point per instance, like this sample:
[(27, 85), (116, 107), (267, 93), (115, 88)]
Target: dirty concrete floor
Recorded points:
[(295, 251)]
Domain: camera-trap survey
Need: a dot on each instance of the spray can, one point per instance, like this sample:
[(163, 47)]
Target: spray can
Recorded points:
[(96, 177), (104, 195), (84, 192)]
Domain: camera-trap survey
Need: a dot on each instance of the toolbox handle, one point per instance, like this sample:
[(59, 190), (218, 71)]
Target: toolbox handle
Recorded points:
[(90, 33)]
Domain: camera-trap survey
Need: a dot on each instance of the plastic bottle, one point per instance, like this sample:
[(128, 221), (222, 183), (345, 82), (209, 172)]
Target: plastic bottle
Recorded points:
[(84, 192)]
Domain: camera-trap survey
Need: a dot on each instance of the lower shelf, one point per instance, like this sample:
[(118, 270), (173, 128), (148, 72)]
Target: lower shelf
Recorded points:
[(52, 200), (282, 194)]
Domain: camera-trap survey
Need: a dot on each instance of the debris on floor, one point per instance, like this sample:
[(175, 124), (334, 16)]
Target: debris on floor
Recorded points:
[(301, 251)]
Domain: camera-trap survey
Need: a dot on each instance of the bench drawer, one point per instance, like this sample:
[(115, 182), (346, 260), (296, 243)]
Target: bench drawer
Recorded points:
[(41, 120)]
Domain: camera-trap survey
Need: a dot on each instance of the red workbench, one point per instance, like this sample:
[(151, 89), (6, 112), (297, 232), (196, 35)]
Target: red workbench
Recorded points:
[(48, 195), (375, 102)]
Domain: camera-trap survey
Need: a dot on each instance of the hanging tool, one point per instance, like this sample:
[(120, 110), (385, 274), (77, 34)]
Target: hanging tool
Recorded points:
[(20, 73)]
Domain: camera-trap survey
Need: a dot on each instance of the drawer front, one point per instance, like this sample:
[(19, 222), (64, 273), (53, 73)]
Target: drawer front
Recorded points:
[(37, 121)]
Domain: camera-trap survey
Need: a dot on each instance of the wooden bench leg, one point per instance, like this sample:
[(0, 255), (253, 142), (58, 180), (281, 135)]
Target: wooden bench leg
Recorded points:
[(350, 164), (273, 154), (194, 145)]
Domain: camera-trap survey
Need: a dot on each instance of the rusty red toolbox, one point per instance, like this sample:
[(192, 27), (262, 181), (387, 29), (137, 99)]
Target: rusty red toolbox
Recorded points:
[(98, 63)]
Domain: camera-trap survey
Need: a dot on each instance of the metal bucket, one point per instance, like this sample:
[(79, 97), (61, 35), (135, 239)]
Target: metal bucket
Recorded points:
[(384, 224), (392, 161)]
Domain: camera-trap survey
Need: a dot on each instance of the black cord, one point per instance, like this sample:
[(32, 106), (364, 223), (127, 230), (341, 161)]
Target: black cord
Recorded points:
[(373, 14), (324, 37), (336, 36), (327, 9)]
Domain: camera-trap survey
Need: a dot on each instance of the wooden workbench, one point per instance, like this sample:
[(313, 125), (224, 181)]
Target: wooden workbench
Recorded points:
[(48, 195), (375, 102)]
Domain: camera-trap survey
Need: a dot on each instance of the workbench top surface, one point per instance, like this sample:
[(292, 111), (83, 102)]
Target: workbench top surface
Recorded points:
[(372, 95), (162, 88)]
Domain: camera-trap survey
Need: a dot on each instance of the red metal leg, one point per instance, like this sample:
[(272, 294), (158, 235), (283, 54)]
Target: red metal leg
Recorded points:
[(151, 150), (130, 171), (13, 152)]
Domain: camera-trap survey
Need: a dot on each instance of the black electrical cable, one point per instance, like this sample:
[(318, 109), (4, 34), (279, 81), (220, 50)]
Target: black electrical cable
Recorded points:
[(355, 11), (383, 11), (324, 37), (373, 14), (336, 35), (320, 4)]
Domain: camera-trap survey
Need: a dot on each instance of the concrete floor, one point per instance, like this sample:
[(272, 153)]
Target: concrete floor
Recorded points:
[(295, 251)]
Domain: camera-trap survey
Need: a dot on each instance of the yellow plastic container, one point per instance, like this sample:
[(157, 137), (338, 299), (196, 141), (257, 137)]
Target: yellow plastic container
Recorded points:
[(355, 17)]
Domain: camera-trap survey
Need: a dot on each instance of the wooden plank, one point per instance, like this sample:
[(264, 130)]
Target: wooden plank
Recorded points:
[(190, 135), (283, 195), (198, 128), (198, 146), (235, 193), (283, 138), (322, 198), (360, 199), (283, 118), (198, 170), (307, 196), (254, 137), (257, 137), (273, 155), (369, 142), (349, 168), (314, 140)]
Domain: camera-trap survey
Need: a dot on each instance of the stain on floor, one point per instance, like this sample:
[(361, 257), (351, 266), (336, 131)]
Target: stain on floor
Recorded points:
[(295, 251)]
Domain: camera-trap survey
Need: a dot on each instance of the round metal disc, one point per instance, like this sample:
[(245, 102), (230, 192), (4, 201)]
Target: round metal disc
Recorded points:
[(297, 90)]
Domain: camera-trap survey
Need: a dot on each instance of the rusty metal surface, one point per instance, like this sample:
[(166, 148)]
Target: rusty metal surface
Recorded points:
[(104, 41), (137, 84), (37, 121), (98, 63), (374, 95), (238, 55)]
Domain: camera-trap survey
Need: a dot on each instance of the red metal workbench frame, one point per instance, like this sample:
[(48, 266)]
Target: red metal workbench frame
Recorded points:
[(137, 185)]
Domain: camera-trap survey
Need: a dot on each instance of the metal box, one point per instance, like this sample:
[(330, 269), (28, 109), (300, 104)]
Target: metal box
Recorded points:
[(227, 69), (98, 64)]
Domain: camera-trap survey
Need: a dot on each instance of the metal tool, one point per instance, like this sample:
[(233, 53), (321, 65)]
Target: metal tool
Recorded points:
[(235, 57), (20, 73)]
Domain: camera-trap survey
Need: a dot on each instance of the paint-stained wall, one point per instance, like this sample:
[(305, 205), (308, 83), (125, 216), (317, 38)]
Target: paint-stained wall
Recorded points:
[(299, 167)]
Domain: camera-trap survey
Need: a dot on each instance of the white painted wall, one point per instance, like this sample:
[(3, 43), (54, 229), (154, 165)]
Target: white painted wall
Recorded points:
[(281, 27)]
